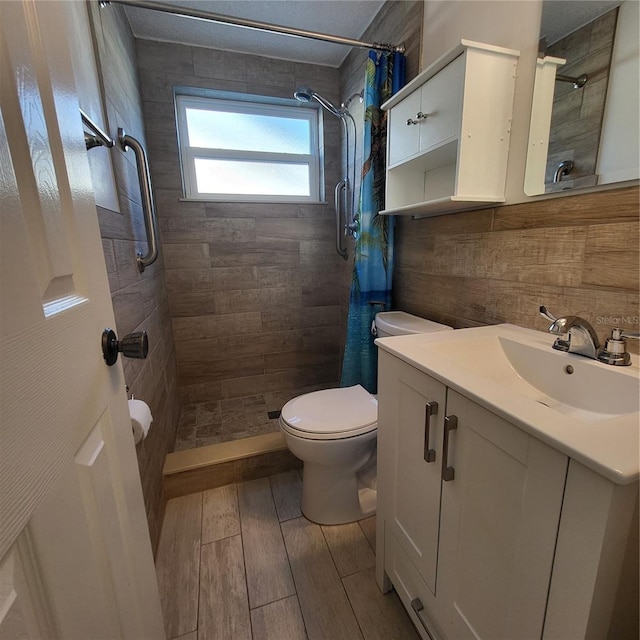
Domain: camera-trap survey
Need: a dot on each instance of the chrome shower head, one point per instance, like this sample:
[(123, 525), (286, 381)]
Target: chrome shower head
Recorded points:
[(303, 94), (306, 94)]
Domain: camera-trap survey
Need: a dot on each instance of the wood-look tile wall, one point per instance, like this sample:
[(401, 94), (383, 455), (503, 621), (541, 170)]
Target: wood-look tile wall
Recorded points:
[(577, 113), (139, 300), (251, 286), (577, 255)]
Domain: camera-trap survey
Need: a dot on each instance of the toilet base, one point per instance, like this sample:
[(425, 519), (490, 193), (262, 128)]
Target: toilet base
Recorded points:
[(330, 499)]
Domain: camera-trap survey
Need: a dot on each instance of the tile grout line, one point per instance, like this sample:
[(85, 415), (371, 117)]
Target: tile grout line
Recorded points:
[(304, 622), (266, 604), (199, 564), (366, 537), (244, 558), (355, 615), (342, 582)]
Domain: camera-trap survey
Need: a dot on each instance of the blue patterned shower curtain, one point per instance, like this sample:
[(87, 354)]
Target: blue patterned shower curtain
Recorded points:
[(373, 266)]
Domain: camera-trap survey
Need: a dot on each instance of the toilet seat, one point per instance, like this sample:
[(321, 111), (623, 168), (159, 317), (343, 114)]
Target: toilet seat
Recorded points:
[(331, 414)]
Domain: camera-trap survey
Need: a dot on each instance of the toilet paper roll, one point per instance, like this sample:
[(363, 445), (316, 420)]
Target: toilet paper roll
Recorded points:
[(141, 419)]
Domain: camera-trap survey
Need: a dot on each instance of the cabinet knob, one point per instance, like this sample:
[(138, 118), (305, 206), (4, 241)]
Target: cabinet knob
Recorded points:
[(419, 118)]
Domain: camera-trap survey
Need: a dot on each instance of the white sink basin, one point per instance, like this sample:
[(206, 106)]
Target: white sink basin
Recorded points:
[(585, 408), (576, 385)]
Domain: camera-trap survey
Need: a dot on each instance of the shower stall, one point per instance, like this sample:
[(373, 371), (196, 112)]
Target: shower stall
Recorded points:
[(256, 294)]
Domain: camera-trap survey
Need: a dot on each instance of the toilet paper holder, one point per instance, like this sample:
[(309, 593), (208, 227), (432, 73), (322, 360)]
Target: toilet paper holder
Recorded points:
[(133, 345)]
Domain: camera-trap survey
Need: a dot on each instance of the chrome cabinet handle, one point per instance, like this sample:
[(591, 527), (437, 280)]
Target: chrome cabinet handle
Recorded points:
[(450, 424), (430, 409), (419, 118), (417, 606)]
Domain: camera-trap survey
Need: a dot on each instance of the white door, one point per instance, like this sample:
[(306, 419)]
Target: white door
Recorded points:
[(75, 555)]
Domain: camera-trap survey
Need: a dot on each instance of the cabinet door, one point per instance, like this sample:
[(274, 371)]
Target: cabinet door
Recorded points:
[(411, 404), (499, 523), (441, 103), (404, 139)]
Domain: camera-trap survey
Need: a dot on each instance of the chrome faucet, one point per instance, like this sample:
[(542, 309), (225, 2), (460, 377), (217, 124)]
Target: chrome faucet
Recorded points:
[(580, 338)]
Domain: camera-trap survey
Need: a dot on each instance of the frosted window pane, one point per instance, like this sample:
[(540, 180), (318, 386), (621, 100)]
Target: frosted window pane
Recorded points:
[(251, 178), (247, 132)]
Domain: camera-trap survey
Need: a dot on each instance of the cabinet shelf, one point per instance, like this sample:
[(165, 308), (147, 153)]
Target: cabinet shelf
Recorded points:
[(449, 130)]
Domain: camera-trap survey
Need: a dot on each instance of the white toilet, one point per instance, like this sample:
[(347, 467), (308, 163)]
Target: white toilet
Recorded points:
[(334, 433)]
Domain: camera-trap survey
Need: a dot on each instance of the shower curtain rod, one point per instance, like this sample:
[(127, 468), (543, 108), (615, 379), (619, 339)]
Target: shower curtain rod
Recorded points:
[(253, 24)]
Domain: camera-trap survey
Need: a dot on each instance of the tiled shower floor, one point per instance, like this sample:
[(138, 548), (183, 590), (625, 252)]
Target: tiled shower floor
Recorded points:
[(208, 423)]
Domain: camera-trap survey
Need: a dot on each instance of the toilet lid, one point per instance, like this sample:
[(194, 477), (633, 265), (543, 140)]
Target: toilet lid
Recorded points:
[(331, 413)]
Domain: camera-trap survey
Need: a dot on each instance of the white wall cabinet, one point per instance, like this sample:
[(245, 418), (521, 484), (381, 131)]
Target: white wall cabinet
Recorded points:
[(448, 133), (474, 530)]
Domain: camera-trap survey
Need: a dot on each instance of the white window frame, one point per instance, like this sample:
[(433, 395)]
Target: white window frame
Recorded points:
[(189, 154)]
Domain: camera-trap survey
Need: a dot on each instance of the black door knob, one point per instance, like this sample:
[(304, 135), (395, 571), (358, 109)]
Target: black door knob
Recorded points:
[(133, 345)]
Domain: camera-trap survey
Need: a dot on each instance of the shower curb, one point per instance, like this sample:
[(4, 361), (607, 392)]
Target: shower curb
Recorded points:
[(225, 463)]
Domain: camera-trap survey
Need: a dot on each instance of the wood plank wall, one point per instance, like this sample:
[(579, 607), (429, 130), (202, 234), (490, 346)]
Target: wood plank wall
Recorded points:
[(577, 255)]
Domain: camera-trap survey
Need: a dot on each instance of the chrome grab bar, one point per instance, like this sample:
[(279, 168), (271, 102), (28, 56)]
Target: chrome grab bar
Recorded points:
[(340, 186), (99, 137), (146, 195)]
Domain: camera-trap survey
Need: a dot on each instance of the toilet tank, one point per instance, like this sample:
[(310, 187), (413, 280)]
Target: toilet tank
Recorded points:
[(399, 323)]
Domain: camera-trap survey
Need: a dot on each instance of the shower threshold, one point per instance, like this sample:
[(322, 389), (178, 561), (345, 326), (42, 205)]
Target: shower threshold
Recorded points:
[(227, 462)]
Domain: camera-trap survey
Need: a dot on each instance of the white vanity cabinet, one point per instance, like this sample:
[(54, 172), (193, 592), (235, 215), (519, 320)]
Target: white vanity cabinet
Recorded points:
[(448, 133), (486, 532), (469, 511)]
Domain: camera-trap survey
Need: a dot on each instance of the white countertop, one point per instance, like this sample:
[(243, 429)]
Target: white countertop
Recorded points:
[(591, 415)]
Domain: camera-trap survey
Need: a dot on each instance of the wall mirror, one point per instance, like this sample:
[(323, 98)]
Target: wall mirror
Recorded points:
[(584, 127)]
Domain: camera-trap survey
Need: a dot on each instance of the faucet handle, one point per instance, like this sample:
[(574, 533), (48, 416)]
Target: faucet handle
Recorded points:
[(545, 313), (557, 328)]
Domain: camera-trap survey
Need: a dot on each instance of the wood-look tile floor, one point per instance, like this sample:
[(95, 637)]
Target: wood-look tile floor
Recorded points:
[(240, 562)]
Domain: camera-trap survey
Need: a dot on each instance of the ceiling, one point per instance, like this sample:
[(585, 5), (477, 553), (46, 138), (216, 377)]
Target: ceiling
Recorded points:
[(345, 18)]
